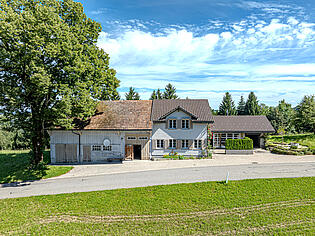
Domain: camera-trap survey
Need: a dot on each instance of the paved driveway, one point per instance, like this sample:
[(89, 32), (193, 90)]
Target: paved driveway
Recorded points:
[(156, 177), (219, 159)]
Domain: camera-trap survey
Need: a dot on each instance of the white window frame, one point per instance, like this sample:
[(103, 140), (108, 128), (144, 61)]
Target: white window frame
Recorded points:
[(131, 138), (96, 148), (159, 143), (172, 143), (143, 138), (172, 124), (197, 143), (107, 148), (185, 144), (185, 124)]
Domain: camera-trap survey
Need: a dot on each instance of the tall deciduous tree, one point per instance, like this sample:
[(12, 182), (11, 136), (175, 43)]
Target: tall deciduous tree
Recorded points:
[(50, 67), (251, 106), (132, 94), (170, 92), (282, 117), (305, 114), (241, 107), (227, 106)]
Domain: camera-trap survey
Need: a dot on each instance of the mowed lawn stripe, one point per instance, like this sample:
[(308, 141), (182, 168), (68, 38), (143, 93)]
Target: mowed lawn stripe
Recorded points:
[(247, 206)]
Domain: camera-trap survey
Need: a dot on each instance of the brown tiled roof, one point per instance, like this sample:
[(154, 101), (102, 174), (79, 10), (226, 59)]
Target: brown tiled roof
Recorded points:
[(122, 115), (242, 124), (198, 108)]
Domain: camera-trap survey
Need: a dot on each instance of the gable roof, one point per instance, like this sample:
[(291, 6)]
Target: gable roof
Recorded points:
[(252, 124), (122, 115), (199, 109)]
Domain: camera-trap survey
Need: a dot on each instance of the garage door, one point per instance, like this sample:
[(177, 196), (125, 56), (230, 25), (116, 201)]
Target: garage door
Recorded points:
[(66, 153)]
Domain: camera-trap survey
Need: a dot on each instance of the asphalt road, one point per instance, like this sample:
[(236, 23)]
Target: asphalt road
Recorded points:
[(156, 177)]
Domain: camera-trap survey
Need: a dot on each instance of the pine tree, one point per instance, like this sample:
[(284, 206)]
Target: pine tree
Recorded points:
[(159, 94), (153, 95), (170, 92), (132, 94), (241, 107), (227, 107), (251, 106)]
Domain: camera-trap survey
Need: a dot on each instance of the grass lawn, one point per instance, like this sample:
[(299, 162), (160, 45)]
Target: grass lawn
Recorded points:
[(303, 139), (262, 206), (14, 166)]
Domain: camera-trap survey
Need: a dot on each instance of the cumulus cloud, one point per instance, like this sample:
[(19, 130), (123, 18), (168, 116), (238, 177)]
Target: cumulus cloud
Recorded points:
[(271, 58)]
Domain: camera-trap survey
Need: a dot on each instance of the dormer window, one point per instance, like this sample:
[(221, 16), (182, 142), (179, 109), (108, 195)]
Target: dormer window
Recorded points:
[(172, 124), (185, 124)]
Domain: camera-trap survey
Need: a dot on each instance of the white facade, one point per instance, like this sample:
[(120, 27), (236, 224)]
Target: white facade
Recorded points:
[(92, 145), (160, 131)]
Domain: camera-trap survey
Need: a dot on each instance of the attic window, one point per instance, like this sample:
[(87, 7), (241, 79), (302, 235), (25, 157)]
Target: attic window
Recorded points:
[(185, 124), (172, 124)]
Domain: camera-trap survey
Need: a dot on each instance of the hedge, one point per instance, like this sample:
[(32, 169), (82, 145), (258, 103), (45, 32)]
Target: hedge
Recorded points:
[(239, 144)]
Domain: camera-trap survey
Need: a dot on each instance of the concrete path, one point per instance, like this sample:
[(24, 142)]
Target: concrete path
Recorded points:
[(219, 159), (156, 177)]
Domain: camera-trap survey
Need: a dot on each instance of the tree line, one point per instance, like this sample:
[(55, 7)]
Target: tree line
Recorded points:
[(282, 117), (169, 93)]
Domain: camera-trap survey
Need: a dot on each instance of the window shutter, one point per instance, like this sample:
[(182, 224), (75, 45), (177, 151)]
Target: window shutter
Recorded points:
[(178, 144), (180, 124), (154, 141), (166, 124), (190, 124), (190, 143), (166, 144)]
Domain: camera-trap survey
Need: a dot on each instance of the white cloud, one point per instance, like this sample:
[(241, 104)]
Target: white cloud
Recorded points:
[(261, 57)]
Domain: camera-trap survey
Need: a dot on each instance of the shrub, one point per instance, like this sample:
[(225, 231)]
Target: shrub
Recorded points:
[(239, 144)]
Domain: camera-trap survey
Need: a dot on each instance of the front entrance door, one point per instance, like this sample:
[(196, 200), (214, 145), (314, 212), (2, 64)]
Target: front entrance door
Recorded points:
[(129, 152), (137, 152)]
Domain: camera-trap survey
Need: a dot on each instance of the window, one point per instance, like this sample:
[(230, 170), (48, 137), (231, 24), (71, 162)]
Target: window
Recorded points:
[(185, 143), (143, 138), (172, 143), (96, 148), (172, 124), (197, 143), (185, 124), (107, 148), (160, 143), (131, 138)]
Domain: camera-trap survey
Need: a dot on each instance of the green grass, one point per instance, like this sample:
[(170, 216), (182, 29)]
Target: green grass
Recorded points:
[(14, 166), (262, 206), (303, 139)]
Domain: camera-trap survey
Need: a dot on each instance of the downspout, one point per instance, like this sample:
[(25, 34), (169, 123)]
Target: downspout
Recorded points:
[(79, 134)]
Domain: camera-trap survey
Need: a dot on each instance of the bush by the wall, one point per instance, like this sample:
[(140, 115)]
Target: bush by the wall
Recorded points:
[(239, 144)]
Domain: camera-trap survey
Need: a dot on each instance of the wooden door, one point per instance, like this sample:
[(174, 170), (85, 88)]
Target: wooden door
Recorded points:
[(129, 152), (60, 153), (86, 153), (71, 153)]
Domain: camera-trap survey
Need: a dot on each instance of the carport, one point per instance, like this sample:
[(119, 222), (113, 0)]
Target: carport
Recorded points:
[(238, 127)]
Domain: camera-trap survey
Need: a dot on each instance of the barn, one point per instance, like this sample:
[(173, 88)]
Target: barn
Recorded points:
[(119, 129)]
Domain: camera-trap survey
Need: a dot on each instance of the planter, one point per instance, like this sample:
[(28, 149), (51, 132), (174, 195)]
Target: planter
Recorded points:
[(239, 152)]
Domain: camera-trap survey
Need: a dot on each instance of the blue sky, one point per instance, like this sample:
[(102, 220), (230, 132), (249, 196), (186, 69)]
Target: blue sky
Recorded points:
[(207, 47)]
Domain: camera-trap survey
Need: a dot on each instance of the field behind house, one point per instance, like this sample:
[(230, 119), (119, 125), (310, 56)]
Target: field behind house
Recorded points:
[(262, 206), (14, 166), (303, 139)]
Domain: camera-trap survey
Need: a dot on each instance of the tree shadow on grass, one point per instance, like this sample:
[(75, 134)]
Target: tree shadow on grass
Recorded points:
[(15, 167)]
